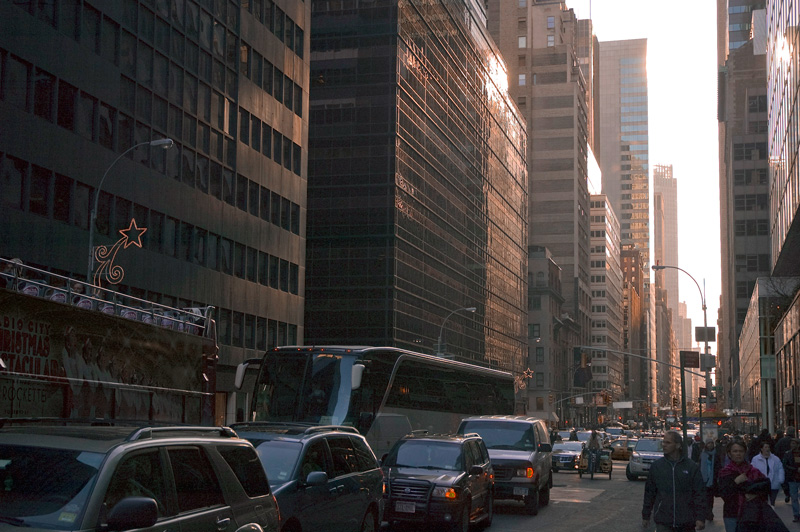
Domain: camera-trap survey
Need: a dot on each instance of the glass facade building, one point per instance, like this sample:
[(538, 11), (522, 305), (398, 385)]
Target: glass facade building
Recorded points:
[(82, 81), (417, 183)]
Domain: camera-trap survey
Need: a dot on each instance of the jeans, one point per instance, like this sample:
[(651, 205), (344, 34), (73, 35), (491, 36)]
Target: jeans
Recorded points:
[(793, 489), (730, 524)]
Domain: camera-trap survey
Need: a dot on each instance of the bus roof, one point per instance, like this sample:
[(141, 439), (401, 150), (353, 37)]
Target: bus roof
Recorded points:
[(362, 350)]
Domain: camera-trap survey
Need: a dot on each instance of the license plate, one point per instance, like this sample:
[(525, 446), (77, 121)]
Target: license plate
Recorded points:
[(405, 507), (521, 491)]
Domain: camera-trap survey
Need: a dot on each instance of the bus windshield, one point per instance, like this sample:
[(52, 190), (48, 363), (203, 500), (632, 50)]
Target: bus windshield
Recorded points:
[(306, 388)]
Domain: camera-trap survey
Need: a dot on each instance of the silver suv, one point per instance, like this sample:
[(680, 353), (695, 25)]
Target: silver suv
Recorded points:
[(521, 454), (89, 478), (647, 451)]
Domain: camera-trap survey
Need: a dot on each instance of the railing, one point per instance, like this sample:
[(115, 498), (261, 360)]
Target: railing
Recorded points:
[(34, 282)]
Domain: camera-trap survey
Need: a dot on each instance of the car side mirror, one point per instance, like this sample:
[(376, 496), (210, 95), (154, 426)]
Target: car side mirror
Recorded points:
[(476, 470), (545, 448), (133, 512), (317, 478)]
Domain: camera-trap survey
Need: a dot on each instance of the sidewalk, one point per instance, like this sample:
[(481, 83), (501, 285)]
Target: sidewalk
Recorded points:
[(784, 511)]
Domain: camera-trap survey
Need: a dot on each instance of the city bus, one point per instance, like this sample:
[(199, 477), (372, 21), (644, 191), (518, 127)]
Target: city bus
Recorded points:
[(70, 349), (384, 392)]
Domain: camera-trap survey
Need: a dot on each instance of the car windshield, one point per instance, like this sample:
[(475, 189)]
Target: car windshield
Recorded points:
[(568, 446), (45, 488), (503, 435), (425, 454), (277, 457), (584, 435), (649, 446)]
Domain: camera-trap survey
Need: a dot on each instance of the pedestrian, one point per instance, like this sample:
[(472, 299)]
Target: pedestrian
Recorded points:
[(783, 444), (710, 465), (791, 465), (744, 491), (772, 468), (573, 435), (781, 448), (675, 489), (697, 448)]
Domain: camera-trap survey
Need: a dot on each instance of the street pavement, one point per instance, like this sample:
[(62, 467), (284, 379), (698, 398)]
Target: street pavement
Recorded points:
[(599, 505)]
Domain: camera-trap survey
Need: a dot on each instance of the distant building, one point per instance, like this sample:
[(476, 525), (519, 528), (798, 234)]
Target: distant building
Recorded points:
[(622, 149), (608, 367), (418, 186)]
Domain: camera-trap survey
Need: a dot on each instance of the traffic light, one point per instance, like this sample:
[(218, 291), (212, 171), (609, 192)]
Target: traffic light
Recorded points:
[(674, 402), (719, 422)]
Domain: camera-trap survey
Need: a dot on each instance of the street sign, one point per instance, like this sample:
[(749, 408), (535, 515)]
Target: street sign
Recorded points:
[(703, 391), (690, 359), (705, 334)]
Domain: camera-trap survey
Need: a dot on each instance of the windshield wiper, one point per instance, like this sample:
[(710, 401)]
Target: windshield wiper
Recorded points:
[(13, 521)]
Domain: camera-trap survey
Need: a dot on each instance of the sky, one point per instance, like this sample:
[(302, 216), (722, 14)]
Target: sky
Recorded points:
[(682, 95)]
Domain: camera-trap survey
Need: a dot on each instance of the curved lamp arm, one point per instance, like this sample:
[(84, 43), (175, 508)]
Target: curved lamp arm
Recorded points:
[(162, 143), (441, 329)]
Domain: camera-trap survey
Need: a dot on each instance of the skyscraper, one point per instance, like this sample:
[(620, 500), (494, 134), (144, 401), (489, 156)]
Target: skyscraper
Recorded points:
[(744, 182), (623, 151), (539, 39), (417, 183)]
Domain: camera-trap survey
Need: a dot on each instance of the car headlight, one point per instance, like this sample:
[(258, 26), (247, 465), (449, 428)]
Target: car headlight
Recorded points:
[(524, 472), (636, 458), (444, 493)]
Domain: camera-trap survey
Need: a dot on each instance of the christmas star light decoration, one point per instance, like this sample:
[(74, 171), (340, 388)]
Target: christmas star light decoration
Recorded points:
[(105, 255)]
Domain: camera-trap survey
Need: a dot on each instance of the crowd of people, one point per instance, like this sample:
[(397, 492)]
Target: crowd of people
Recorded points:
[(746, 472)]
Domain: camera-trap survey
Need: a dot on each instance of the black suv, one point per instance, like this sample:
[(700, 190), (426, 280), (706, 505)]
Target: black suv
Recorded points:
[(439, 478), (165, 479), (324, 477)]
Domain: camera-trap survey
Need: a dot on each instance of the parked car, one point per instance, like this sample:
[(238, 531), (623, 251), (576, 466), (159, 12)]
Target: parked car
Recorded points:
[(519, 447), (566, 455), (622, 448), (324, 477), (647, 451), (442, 479), (87, 478)]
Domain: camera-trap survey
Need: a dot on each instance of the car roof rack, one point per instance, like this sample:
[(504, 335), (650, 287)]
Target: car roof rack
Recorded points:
[(296, 427), (150, 432)]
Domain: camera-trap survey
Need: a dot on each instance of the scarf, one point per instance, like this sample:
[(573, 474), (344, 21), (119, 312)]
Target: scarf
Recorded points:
[(737, 469)]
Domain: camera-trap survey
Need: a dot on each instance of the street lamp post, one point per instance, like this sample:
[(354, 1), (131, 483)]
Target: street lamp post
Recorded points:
[(162, 143), (705, 337), (441, 329)]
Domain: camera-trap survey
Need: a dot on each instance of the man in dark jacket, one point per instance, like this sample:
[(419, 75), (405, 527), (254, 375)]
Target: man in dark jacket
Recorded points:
[(675, 487)]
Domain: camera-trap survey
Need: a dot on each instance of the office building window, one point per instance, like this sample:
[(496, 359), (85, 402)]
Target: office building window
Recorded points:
[(522, 42)]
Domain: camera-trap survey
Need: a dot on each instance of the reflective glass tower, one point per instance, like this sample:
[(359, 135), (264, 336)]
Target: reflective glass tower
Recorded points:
[(418, 185)]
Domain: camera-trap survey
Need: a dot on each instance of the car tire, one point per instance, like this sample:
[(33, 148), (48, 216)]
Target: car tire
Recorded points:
[(532, 503), (544, 496), (630, 475), (462, 525), (487, 522), (370, 522)]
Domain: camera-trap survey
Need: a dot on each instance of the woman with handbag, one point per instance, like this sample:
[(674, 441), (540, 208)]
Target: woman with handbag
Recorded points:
[(745, 491)]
